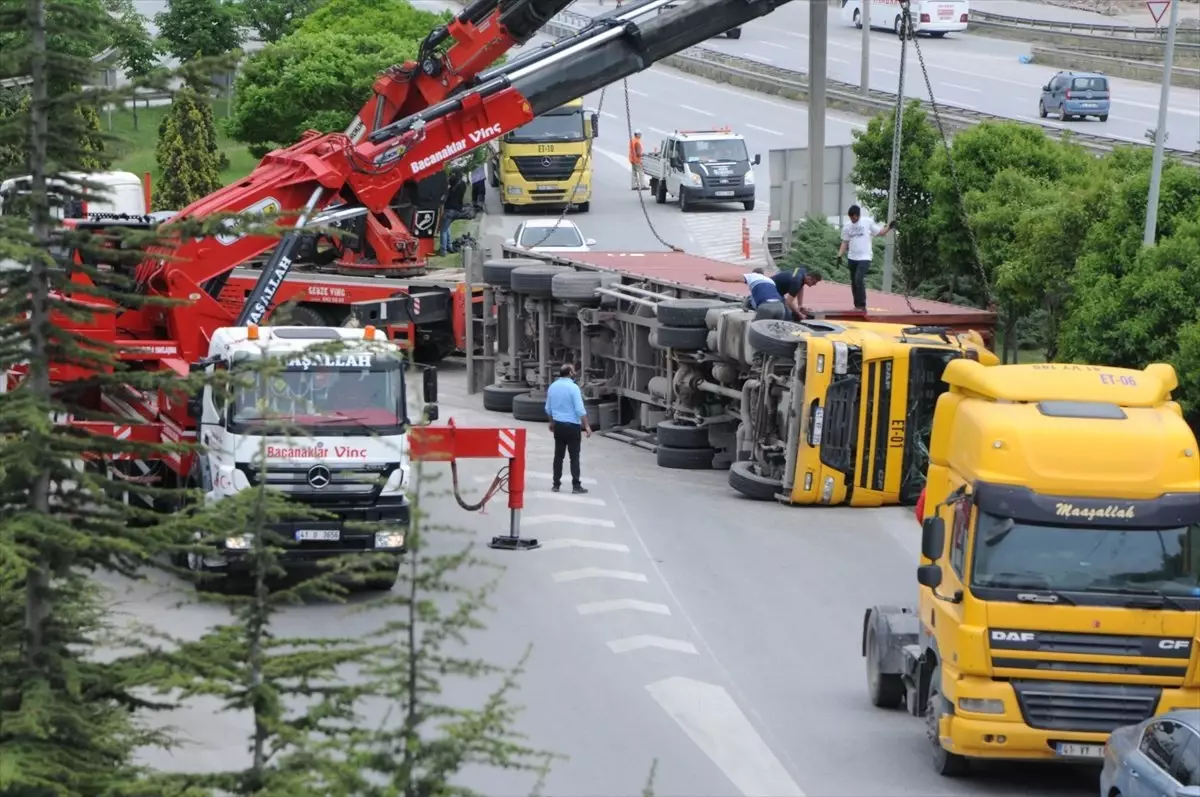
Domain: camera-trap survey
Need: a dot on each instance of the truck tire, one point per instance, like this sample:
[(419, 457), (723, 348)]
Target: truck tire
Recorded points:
[(499, 398), (580, 286), (685, 338), (660, 191), (886, 689), (583, 207), (507, 209), (685, 458), (297, 316), (673, 434), (744, 479), (529, 407), (383, 583), (686, 312), (774, 338), (945, 763), (748, 205), (537, 281), (498, 273), (685, 204), (734, 33)]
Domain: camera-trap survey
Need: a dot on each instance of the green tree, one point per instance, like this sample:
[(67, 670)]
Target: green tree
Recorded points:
[(190, 168), (137, 53), (274, 19), (200, 29)]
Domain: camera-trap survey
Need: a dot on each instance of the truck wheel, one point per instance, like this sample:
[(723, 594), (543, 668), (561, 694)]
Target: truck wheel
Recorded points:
[(537, 281), (495, 181), (685, 204), (580, 286), (660, 191), (775, 338), (507, 208), (744, 478), (686, 312), (498, 273), (734, 33), (686, 338), (529, 407), (673, 434), (886, 689), (499, 398), (583, 207), (685, 458), (298, 316), (945, 763), (383, 583), (748, 204)]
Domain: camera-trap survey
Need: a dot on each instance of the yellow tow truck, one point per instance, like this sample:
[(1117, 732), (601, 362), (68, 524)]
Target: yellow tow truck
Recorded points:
[(1065, 600), (548, 161)]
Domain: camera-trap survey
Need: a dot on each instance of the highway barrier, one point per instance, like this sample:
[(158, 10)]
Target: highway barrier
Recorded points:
[(1125, 41), (1115, 67), (790, 84)]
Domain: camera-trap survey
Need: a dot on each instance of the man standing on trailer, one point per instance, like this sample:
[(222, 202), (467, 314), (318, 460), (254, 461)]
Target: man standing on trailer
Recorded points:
[(568, 423), (635, 160), (856, 236), (765, 299)]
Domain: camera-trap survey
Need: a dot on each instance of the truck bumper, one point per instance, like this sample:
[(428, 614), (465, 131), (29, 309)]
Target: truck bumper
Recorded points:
[(742, 193)]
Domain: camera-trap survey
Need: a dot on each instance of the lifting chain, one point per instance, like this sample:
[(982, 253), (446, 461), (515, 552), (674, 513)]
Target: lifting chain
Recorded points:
[(640, 192), (958, 190)]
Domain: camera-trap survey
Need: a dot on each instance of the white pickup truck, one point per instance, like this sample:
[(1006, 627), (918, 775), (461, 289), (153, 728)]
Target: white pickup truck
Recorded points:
[(702, 166)]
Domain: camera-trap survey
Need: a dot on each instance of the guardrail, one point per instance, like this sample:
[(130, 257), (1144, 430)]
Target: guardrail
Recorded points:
[(1114, 67), (1064, 36), (790, 84), (1087, 28)]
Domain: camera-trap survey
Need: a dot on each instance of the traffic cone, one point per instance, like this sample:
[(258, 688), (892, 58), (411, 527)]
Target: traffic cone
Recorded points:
[(745, 239)]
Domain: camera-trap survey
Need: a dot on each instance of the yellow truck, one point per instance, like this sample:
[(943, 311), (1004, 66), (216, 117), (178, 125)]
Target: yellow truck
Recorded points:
[(847, 412), (1065, 600), (547, 162)]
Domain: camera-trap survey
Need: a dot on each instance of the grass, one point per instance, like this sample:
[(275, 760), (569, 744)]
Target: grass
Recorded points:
[(135, 148), (457, 228)]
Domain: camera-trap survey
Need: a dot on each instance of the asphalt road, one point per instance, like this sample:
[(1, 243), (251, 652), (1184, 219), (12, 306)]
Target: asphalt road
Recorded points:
[(669, 619), (966, 70)]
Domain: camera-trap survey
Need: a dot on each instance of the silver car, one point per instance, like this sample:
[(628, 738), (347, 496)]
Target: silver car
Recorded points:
[(1158, 757)]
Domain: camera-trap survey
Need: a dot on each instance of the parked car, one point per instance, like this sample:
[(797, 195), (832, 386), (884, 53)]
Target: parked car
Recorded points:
[(550, 235), (1159, 757), (1071, 94)]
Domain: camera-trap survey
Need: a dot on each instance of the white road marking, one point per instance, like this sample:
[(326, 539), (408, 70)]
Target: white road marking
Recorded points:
[(542, 520), (616, 547), (764, 129), (695, 110), (658, 130), (632, 643), (533, 474), (574, 499), (609, 115), (623, 604), (637, 93), (773, 44), (620, 160), (567, 576), (712, 719), (753, 57), (756, 98), (960, 88)]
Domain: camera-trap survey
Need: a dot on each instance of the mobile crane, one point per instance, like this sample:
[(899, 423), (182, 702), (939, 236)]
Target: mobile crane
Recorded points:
[(334, 179)]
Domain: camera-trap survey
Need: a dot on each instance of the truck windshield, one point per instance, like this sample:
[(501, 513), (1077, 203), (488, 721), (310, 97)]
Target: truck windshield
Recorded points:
[(715, 149), (1071, 558), (549, 127), (925, 369), (335, 400)]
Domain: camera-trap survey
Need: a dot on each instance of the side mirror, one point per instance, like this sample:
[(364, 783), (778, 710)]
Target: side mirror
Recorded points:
[(510, 242), (757, 159), (195, 406), (1046, 87), (595, 125), (589, 242), (929, 576), (933, 538), (429, 385)]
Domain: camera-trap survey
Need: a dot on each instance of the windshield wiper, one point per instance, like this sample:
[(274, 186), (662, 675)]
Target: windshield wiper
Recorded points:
[(359, 422), (1015, 581), (1151, 598)]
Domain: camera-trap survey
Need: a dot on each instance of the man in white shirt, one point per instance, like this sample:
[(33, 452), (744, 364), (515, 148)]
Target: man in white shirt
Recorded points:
[(856, 236)]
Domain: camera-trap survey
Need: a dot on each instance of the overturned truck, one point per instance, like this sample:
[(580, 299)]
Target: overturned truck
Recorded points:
[(832, 410)]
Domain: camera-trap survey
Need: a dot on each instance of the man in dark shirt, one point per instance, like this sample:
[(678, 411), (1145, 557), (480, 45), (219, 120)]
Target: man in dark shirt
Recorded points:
[(791, 283), (453, 208)]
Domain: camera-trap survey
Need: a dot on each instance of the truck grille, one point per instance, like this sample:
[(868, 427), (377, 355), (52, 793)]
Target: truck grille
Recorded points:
[(731, 181), (1092, 708), (546, 167), (345, 486), (1171, 656)]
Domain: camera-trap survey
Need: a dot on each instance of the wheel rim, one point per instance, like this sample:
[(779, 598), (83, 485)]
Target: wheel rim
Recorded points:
[(872, 664), (933, 721)]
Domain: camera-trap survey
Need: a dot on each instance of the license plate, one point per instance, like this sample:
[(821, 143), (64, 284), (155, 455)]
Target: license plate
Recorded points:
[(1080, 750), (1089, 105), (818, 425), (318, 535), (724, 193), (547, 188)]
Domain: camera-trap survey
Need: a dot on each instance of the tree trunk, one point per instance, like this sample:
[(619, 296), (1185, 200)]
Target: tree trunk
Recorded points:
[(135, 117)]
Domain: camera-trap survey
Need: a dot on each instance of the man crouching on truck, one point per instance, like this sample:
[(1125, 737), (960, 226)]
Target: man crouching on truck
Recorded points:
[(774, 298)]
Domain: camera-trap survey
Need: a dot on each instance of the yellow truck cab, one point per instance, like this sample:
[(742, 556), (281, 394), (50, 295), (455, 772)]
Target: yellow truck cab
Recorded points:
[(853, 426), (548, 161), (1065, 600)]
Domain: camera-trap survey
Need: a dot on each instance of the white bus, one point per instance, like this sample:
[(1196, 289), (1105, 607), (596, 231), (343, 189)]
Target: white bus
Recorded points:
[(933, 17)]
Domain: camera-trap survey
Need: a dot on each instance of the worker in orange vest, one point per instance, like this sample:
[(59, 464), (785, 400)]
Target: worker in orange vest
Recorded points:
[(635, 160)]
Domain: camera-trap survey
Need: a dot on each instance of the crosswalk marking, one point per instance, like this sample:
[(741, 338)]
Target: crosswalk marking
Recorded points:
[(718, 234)]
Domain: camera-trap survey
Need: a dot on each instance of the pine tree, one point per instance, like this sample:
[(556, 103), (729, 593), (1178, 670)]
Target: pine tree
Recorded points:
[(210, 135), (189, 165), (93, 156)]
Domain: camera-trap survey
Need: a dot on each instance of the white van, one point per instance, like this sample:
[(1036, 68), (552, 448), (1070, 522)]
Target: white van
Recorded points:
[(933, 17), (114, 192)]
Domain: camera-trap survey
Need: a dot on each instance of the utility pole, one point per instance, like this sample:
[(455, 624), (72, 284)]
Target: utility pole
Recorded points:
[(865, 17), (1160, 132), (889, 249), (818, 42)]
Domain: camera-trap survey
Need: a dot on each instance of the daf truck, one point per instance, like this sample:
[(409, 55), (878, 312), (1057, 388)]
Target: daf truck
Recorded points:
[(1059, 584), (548, 161)]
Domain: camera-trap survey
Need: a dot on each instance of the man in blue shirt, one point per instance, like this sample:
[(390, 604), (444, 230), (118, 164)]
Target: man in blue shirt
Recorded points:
[(568, 423), (765, 299)]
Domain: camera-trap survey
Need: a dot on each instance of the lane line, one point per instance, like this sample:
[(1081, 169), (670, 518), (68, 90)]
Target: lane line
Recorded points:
[(542, 520), (573, 499), (533, 474), (712, 719), (695, 110), (764, 129), (615, 547), (961, 88), (623, 604), (609, 115), (756, 98), (658, 130), (773, 44), (637, 93), (567, 576), (629, 644)]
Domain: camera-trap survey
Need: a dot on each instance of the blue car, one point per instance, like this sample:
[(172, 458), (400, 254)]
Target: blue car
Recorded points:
[(1159, 757), (1076, 94)]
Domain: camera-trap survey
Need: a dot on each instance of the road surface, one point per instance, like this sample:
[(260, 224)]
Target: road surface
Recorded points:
[(669, 619)]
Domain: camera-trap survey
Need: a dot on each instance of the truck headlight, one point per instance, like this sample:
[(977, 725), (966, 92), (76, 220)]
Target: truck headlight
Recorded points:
[(513, 189), (241, 542), (748, 179), (581, 189), (389, 540), (827, 490), (979, 705), (694, 178)]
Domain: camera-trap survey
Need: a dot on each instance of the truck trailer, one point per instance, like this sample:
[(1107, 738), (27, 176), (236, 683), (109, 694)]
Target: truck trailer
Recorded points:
[(1064, 602)]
